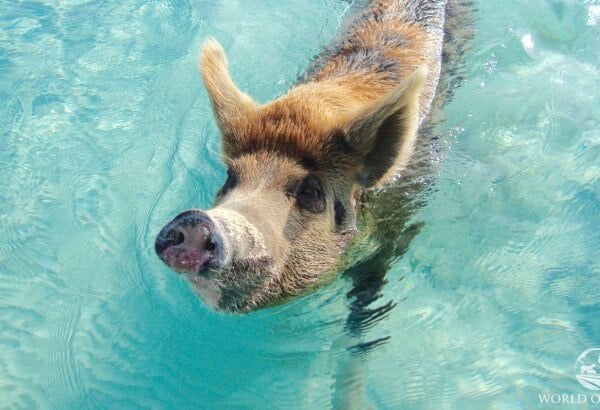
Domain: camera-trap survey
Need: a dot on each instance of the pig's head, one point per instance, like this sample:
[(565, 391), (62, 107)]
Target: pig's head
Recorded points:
[(286, 212)]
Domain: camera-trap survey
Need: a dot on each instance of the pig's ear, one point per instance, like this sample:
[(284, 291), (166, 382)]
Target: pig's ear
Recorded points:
[(229, 103), (382, 134)]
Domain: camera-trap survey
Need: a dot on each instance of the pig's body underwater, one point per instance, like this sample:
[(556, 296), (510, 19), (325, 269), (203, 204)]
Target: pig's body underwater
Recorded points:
[(285, 218)]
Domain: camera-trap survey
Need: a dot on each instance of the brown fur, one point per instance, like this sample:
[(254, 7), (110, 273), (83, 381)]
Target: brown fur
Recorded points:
[(392, 48), (305, 123), (350, 123)]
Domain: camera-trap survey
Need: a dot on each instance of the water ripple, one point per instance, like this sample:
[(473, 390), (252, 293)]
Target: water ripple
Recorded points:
[(107, 133)]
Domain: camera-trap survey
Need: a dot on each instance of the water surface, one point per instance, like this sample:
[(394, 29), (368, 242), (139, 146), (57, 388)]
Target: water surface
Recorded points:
[(106, 133)]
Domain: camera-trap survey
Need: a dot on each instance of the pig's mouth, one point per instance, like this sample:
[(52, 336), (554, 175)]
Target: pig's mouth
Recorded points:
[(221, 255), (192, 244)]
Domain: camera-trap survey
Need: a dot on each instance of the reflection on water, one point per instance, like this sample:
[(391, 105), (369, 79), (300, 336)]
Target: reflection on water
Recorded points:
[(483, 292)]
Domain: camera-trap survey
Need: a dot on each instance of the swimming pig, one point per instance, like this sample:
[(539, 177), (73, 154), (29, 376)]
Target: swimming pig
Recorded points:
[(287, 214)]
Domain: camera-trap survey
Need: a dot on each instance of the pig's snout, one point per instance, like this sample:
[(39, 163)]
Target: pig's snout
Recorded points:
[(191, 243)]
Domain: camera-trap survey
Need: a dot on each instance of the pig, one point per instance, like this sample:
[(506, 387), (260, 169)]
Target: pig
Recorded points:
[(285, 220)]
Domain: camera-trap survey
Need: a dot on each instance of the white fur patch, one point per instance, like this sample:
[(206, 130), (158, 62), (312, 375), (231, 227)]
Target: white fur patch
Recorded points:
[(243, 240)]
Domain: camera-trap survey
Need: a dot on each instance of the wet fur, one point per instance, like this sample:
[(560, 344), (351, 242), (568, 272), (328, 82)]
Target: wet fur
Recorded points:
[(352, 121)]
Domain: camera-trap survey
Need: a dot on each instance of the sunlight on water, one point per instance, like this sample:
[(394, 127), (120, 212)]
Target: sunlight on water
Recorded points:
[(107, 133)]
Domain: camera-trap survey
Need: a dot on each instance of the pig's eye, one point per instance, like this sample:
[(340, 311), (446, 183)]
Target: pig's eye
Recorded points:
[(310, 195), (230, 183)]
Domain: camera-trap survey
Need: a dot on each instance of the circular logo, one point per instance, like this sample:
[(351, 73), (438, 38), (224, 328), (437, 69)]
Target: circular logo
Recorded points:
[(588, 369)]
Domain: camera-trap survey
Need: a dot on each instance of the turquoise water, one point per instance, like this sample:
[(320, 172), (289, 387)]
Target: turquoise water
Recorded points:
[(107, 133)]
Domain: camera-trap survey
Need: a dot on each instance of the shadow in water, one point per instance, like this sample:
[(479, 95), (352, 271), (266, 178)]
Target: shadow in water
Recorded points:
[(388, 212)]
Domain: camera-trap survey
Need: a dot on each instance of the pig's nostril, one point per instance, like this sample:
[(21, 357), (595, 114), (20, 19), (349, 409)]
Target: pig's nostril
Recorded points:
[(174, 237), (210, 246)]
